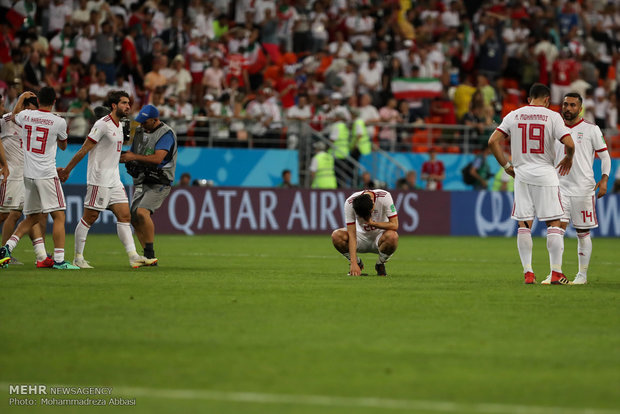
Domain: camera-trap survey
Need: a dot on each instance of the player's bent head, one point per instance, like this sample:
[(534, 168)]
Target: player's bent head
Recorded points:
[(363, 205), (31, 103), (574, 95), (47, 96), (538, 90), (114, 97)]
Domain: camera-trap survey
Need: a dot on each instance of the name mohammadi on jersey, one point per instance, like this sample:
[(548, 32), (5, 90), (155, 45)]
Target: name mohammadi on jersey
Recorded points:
[(533, 131), (103, 159), (383, 211), (588, 139), (40, 132), (12, 142)]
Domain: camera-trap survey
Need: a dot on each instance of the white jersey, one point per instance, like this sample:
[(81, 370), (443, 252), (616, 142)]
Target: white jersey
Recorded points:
[(588, 139), (383, 211), (13, 147), (104, 158), (41, 131), (533, 131)]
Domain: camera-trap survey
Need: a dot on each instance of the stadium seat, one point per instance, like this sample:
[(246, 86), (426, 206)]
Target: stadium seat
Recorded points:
[(420, 148)]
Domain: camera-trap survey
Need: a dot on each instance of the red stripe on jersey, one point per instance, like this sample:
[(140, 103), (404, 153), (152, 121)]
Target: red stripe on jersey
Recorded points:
[(567, 135), (350, 223), (89, 138), (2, 193), (93, 196), (573, 126), (395, 215), (61, 204), (601, 150), (503, 132)]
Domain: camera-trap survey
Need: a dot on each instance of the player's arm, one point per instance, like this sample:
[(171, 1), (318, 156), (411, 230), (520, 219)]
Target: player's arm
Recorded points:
[(354, 269), (495, 145), (392, 224), (601, 186), (63, 173), (155, 158), (4, 167), (567, 162), (19, 105)]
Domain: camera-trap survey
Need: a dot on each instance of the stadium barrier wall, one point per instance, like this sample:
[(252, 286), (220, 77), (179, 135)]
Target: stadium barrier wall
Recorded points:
[(239, 167), (200, 210)]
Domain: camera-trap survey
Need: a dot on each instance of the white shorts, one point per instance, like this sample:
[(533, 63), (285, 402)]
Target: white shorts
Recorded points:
[(12, 195), (536, 201), (368, 242), (581, 211), (43, 195), (100, 198)]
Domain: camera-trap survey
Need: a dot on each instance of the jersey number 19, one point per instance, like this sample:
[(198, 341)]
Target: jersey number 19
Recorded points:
[(532, 132)]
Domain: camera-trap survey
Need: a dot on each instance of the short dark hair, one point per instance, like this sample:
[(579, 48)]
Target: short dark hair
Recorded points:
[(284, 172), (574, 95), (47, 96), (31, 101), (538, 90), (114, 97), (362, 204)]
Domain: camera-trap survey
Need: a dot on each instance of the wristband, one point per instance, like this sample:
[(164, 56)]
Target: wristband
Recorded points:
[(508, 165)]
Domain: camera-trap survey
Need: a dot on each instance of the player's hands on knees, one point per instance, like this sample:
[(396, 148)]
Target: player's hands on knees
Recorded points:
[(355, 270), (565, 166)]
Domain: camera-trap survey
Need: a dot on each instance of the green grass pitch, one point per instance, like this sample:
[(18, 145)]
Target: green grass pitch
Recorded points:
[(272, 324)]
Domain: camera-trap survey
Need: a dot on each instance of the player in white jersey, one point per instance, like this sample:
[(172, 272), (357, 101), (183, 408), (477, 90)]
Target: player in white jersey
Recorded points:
[(42, 133), (578, 188), (105, 189), (533, 131), (372, 222), (12, 189)]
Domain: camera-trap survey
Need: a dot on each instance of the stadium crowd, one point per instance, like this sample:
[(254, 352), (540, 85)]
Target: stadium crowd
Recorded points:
[(258, 64)]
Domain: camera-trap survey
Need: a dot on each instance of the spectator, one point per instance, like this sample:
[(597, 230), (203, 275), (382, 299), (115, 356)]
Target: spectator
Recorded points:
[(297, 117), (367, 181), (155, 79), (80, 123), (286, 180), (390, 115), (370, 78), (408, 182), (433, 172), (62, 45), (600, 107), (105, 44), (340, 48), (197, 58), (318, 22), (479, 171), (360, 26), (185, 180), (98, 90), (34, 73), (213, 79)]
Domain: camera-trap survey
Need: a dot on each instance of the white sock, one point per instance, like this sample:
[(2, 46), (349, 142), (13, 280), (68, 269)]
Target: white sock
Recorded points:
[(555, 245), (12, 242), (39, 249), (124, 233), (584, 252), (524, 244), (59, 255), (383, 257), (81, 232)]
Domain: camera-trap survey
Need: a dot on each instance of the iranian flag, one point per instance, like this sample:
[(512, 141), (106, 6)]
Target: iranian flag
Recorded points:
[(416, 88)]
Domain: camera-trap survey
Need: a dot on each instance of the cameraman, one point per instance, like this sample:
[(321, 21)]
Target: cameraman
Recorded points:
[(151, 161)]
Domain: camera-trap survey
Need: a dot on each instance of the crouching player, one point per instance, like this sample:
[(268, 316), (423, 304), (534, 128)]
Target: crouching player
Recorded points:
[(372, 222)]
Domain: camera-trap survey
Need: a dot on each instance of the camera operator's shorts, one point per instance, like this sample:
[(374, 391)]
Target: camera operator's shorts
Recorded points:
[(100, 198), (149, 196), (11, 195), (43, 195)]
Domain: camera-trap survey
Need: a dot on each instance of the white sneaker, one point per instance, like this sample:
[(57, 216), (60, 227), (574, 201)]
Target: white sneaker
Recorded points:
[(81, 263), (547, 281), (140, 261), (580, 279)]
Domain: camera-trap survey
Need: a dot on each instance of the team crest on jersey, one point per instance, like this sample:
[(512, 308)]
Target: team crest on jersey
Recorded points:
[(579, 137), (393, 208), (95, 130)]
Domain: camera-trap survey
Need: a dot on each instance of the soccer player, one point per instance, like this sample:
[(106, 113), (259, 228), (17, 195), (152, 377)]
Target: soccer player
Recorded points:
[(153, 157), (578, 187), (42, 132), (105, 189), (12, 191), (533, 130), (372, 222)]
